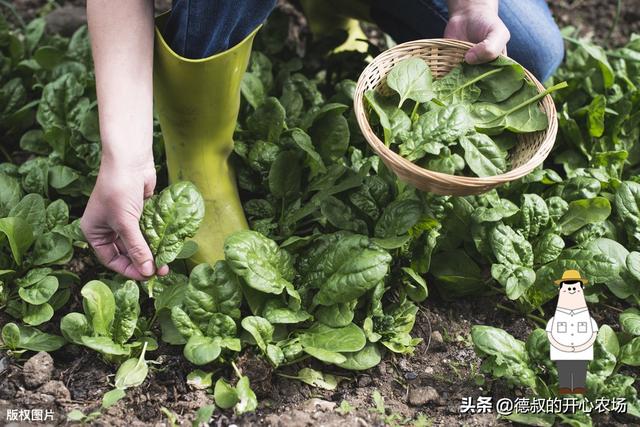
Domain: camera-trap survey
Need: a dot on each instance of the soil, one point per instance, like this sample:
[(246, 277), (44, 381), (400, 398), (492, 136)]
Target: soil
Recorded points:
[(422, 389)]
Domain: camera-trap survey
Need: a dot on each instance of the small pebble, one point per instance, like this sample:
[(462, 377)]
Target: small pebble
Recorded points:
[(410, 376), (37, 370), (422, 395)]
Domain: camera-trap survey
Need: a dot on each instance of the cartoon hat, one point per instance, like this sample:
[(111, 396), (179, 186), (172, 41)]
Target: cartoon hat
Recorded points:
[(571, 276)]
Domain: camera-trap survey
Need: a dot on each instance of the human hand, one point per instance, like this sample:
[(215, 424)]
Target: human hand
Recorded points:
[(478, 22), (111, 219)]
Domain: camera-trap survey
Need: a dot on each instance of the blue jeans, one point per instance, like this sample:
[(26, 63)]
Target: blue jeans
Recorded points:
[(201, 28)]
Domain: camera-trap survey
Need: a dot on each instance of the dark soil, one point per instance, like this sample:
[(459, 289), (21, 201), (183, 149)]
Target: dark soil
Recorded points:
[(431, 383), (604, 21)]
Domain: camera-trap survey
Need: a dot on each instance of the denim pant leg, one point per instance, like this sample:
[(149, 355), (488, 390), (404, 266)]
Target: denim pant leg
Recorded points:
[(200, 28), (535, 42)]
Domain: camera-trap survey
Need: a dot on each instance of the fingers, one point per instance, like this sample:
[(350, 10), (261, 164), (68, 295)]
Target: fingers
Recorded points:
[(109, 255), (163, 271), (136, 247), (491, 47)]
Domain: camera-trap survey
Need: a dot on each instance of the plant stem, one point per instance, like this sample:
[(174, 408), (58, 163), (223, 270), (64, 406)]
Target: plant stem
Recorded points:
[(235, 368), (475, 80), (5, 153), (616, 21), (414, 112), (530, 316), (610, 307), (14, 12), (536, 98)]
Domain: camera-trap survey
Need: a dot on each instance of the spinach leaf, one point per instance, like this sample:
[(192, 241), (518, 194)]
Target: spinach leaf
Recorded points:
[(483, 156), (345, 269), (259, 262), (500, 85), (25, 337), (520, 113), (19, 234), (411, 79), (169, 218), (583, 212)]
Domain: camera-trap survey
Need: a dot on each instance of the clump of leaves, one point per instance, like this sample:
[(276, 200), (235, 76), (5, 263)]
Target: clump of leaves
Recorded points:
[(527, 365), (463, 123)]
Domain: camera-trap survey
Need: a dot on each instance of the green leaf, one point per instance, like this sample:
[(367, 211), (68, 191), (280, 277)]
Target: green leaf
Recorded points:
[(57, 214), (212, 290), (483, 155), (398, 217), (316, 379), (547, 248), (630, 321), (520, 113), (439, 127), (361, 360), (539, 420), (74, 326), (203, 415), (595, 115), (509, 247), (346, 339), (112, 397), (337, 315), (200, 379), (247, 401), (330, 135), (276, 311), (10, 193), (260, 329), (31, 209), (630, 353), (412, 79), (35, 315), (60, 102), (99, 306), (224, 394), (415, 285), (497, 86), (457, 273), (52, 248), (40, 292), (259, 261), (506, 356), (28, 338), (183, 323), (456, 88), (104, 345), (344, 268), (201, 350), (126, 296), (268, 120), (285, 175), (48, 56), (171, 217), (583, 212), (132, 373), (221, 325), (20, 236), (11, 336)]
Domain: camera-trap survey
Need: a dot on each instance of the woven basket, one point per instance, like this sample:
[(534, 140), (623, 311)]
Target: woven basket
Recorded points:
[(442, 55)]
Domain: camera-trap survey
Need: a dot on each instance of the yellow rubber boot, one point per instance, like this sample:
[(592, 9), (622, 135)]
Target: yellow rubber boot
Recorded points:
[(197, 102), (326, 16)]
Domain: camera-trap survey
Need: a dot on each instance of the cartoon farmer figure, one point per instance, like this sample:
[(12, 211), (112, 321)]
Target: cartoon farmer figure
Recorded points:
[(572, 332)]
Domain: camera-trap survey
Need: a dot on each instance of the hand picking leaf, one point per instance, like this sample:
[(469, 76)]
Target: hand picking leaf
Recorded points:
[(171, 217)]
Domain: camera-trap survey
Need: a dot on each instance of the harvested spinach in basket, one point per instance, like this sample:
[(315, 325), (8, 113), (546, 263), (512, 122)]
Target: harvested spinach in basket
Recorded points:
[(464, 123)]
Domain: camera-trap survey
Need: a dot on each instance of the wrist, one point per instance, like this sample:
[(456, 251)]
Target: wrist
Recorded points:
[(116, 157), (469, 7)]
